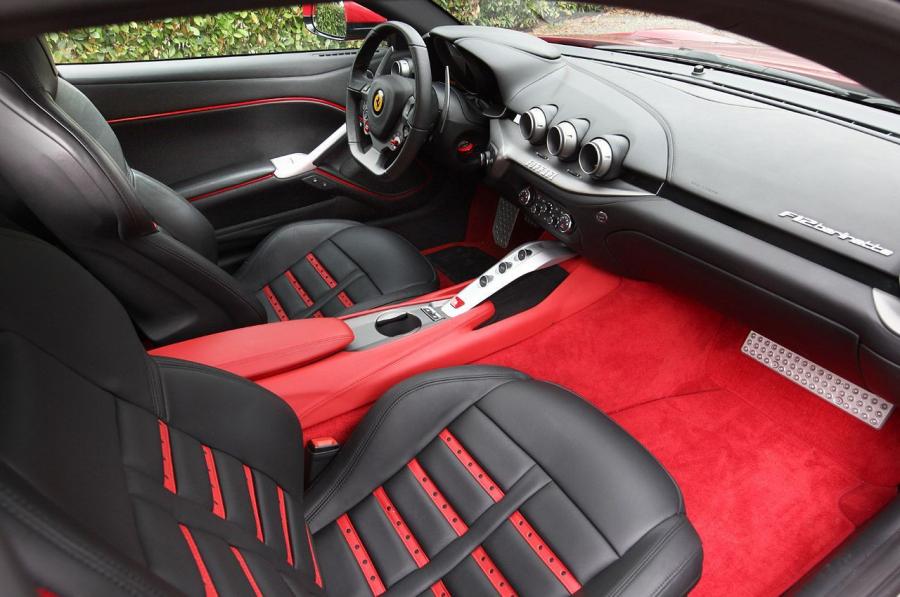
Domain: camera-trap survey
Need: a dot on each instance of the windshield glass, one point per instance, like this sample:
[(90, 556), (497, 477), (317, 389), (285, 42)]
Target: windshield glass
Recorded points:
[(596, 25)]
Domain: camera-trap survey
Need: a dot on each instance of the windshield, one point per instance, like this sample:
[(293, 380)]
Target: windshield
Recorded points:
[(596, 25)]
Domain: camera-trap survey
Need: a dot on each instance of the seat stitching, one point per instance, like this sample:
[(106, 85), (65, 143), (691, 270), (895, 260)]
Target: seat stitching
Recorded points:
[(571, 501), (668, 580), (357, 453), (651, 553)]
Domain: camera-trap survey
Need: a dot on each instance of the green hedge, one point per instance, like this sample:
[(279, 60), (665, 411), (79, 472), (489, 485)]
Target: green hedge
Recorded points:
[(513, 14), (261, 31)]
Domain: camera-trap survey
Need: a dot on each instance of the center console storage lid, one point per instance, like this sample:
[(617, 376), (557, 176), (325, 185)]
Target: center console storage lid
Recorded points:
[(263, 350)]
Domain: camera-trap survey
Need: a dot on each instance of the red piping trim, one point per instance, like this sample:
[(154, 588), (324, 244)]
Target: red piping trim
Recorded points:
[(361, 554), (315, 561), (304, 296), (218, 506), (284, 527), (407, 538), (246, 570), (273, 300), (233, 187), (251, 489), (492, 572), (531, 536), (443, 506), (208, 586), (478, 473), (320, 269), (168, 469), (256, 102), (375, 194)]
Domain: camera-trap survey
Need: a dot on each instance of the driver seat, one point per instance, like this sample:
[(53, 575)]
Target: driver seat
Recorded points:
[(63, 172)]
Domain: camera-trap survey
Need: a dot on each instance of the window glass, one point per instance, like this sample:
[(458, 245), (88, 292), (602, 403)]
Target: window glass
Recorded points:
[(263, 31)]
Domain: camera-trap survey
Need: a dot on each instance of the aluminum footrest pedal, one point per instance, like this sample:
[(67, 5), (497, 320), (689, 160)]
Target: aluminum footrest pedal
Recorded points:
[(830, 387), (504, 222)]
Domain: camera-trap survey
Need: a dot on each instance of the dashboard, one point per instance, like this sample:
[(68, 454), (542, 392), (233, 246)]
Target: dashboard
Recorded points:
[(774, 204)]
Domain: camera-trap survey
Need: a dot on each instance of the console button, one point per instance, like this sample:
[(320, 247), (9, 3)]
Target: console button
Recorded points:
[(505, 265), (523, 254), (457, 302), (565, 223), (485, 280), (525, 196)]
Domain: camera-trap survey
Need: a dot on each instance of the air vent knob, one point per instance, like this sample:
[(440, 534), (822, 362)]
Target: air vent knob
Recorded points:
[(534, 123)]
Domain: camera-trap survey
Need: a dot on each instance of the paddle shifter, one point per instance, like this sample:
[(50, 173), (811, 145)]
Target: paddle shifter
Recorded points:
[(523, 260)]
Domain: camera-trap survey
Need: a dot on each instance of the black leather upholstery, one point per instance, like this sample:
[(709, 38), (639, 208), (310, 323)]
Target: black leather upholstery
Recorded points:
[(149, 245), (125, 474), (328, 267)]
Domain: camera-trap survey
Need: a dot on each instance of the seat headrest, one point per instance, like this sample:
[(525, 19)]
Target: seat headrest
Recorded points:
[(30, 64)]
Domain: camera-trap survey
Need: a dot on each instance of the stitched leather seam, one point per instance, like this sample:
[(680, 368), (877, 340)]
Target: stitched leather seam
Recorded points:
[(354, 458), (625, 582), (552, 480), (668, 580)]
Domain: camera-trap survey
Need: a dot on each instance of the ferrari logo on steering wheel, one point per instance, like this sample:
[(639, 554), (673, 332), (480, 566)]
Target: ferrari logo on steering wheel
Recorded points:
[(378, 101)]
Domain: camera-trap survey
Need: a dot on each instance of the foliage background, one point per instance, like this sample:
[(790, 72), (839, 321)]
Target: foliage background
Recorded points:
[(266, 31)]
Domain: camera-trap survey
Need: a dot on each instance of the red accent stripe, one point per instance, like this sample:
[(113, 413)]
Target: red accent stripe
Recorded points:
[(208, 586), (345, 300), (251, 489), (304, 296), (362, 556), (256, 102), (246, 569), (472, 466), (403, 531), (284, 527), (531, 536), (168, 470), (273, 300), (315, 561), (233, 187), (218, 505), (407, 538), (543, 551), (320, 269), (487, 565), (454, 519)]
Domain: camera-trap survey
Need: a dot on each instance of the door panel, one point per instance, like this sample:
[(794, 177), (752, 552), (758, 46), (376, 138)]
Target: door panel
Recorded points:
[(209, 127)]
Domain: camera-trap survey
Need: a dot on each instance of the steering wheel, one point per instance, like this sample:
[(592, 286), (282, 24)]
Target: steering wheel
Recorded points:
[(389, 116)]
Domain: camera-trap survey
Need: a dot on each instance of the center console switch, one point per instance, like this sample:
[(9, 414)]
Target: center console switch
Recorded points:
[(521, 261)]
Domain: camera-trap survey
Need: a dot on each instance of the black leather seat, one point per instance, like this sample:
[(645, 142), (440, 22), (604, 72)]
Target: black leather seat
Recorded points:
[(152, 247), (125, 474)]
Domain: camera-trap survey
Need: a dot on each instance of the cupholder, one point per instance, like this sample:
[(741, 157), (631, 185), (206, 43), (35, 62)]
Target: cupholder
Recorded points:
[(397, 323)]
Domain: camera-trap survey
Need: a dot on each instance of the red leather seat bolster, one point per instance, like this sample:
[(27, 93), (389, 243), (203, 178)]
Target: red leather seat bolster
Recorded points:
[(264, 350)]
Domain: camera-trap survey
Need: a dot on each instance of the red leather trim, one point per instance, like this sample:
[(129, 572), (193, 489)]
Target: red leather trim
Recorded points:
[(273, 300), (246, 570), (543, 551), (320, 269), (218, 507), (453, 519), (518, 520), (304, 296), (251, 491), (264, 350), (478, 473), (208, 587), (282, 510), (348, 531), (384, 197), (403, 531), (492, 572), (315, 561), (166, 447), (256, 102), (233, 187)]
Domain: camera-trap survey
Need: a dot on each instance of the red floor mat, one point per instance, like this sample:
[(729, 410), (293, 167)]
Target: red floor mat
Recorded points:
[(773, 477)]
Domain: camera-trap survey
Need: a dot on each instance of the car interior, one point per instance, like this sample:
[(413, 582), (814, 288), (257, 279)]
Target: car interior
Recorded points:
[(447, 309)]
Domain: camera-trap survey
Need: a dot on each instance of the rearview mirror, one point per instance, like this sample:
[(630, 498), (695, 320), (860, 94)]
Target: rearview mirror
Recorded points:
[(340, 21)]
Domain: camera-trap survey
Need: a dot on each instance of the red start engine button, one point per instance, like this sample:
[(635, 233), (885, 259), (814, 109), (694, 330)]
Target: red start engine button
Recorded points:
[(456, 302)]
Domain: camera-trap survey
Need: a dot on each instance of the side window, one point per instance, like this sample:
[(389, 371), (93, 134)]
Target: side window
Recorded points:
[(321, 26)]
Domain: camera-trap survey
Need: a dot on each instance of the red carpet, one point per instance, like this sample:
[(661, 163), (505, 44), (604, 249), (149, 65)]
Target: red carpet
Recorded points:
[(773, 477)]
